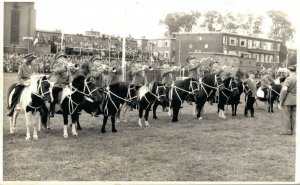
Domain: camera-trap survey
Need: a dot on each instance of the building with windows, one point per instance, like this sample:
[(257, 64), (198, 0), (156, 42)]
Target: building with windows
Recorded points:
[(262, 50), (92, 33), (163, 48), (19, 26)]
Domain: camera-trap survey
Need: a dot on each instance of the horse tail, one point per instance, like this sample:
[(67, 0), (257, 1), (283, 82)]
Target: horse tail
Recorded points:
[(10, 89)]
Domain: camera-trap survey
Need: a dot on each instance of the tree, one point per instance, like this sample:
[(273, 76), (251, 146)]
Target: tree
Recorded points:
[(212, 20), (281, 29), (250, 24), (230, 22), (178, 21)]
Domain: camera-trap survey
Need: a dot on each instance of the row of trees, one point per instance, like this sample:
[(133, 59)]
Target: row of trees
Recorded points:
[(250, 24)]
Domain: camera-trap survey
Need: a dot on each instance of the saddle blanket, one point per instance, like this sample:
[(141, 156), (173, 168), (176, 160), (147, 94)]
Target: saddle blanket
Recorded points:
[(260, 93), (65, 92), (142, 91)]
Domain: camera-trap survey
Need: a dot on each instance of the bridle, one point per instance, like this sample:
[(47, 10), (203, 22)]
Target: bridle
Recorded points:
[(129, 98), (40, 92)]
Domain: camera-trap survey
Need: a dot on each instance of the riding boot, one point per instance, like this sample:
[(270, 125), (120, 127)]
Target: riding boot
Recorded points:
[(252, 113), (52, 109), (245, 112)]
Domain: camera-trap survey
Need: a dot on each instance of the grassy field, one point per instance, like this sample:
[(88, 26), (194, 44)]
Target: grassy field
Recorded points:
[(235, 149)]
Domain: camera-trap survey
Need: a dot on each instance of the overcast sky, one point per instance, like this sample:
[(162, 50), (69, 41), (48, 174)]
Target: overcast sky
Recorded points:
[(141, 16)]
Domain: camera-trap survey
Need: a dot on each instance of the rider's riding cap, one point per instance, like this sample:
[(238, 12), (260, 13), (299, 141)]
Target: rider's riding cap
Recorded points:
[(292, 68), (29, 57), (59, 54), (191, 57), (95, 57)]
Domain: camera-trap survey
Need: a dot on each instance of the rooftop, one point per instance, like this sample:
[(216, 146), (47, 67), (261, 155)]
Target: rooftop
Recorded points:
[(227, 33)]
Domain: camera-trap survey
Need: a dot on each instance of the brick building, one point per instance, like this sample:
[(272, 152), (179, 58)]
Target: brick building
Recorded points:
[(262, 50), (163, 48), (19, 26)]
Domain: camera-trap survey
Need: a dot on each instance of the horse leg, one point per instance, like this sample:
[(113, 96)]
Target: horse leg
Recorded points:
[(155, 105), (147, 115), (235, 108), (15, 116), (272, 104), (35, 135), (199, 108), (140, 116), (175, 113), (74, 118), (11, 130), (104, 124), (232, 109), (78, 124), (113, 120), (28, 123), (65, 115)]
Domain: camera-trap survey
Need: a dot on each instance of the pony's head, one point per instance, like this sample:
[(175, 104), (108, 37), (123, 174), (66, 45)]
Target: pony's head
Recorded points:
[(233, 86), (218, 82), (44, 88), (91, 90), (161, 93)]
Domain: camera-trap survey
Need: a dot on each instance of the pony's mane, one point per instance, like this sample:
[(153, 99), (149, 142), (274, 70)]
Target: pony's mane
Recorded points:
[(120, 86), (180, 82), (209, 79)]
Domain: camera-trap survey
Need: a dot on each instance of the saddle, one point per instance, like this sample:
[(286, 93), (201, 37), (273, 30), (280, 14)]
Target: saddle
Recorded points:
[(262, 93), (65, 92)]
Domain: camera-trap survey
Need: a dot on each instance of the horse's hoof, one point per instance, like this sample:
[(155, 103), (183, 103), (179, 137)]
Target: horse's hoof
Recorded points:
[(103, 131), (79, 128), (146, 123), (155, 117), (28, 138), (200, 118), (11, 131), (35, 138), (66, 136), (75, 134), (174, 120), (139, 123), (114, 130)]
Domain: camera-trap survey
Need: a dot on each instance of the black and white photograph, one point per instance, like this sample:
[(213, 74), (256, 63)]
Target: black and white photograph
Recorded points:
[(150, 91)]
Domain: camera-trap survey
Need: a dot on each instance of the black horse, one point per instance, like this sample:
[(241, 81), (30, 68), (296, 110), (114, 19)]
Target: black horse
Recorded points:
[(179, 93), (271, 95), (147, 94), (230, 95), (80, 87), (117, 94), (208, 86)]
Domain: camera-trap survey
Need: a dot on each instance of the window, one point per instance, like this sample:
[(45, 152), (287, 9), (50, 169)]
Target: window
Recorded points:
[(262, 57), (191, 46), (232, 41), (166, 54), (224, 40), (243, 42), (250, 44), (271, 58), (206, 46), (256, 44), (166, 43), (15, 27), (267, 58)]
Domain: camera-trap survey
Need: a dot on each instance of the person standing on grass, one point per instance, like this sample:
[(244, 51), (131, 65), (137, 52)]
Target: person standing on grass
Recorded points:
[(250, 96), (287, 103)]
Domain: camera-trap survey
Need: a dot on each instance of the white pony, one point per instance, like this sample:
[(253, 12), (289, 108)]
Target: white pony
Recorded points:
[(32, 100)]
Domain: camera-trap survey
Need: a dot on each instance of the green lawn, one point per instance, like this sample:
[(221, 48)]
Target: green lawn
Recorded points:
[(235, 149)]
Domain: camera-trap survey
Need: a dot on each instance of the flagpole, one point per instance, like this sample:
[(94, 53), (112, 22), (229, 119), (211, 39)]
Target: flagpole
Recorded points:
[(109, 50), (124, 44)]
